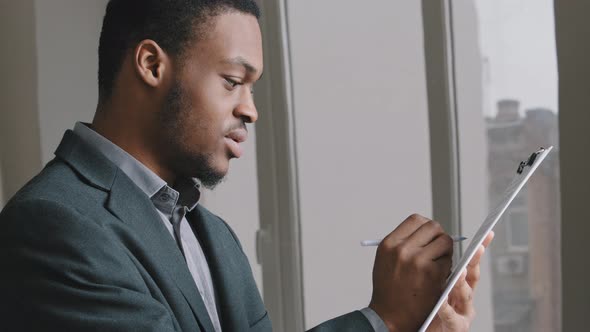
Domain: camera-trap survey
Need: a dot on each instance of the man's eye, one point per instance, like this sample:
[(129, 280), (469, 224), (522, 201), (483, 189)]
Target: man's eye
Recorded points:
[(231, 82)]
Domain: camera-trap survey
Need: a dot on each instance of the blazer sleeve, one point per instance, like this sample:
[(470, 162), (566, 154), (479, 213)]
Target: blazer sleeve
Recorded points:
[(351, 322), (61, 273)]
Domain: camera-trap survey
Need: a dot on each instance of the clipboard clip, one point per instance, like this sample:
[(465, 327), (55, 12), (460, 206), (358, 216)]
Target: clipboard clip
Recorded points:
[(529, 162)]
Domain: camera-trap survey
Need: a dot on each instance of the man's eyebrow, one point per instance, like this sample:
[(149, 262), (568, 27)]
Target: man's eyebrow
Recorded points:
[(240, 61)]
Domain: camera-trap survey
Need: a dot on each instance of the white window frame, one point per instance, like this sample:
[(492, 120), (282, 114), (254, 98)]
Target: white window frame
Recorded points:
[(278, 244)]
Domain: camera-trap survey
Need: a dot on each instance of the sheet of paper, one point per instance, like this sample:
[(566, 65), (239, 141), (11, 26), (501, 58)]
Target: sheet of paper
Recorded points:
[(523, 172)]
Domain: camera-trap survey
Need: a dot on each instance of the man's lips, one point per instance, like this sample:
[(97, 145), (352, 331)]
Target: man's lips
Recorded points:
[(233, 140), (238, 135)]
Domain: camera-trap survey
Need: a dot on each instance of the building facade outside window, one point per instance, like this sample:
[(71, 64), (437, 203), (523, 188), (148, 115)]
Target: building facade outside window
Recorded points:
[(506, 85)]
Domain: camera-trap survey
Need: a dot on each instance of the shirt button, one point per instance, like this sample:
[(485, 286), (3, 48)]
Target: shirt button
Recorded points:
[(165, 197)]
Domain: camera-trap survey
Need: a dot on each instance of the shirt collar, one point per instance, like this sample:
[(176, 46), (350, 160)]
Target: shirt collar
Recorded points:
[(187, 191), (167, 198)]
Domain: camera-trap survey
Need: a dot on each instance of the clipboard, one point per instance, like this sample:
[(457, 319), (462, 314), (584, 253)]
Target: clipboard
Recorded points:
[(523, 173)]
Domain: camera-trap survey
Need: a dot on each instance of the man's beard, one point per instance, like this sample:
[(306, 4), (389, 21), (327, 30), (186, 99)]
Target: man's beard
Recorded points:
[(184, 162)]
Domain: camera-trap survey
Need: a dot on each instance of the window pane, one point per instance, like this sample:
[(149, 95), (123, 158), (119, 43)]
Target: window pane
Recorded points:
[(506, 80), (518, 230)]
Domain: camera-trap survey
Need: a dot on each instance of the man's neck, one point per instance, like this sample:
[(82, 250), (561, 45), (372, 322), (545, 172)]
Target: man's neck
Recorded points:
[(129, 137)]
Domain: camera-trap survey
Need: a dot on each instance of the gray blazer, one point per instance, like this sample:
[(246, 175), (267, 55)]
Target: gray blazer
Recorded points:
[(83, 249)]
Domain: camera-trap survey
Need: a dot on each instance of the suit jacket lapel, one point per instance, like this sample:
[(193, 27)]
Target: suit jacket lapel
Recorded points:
[(225, 278), (128, 203)]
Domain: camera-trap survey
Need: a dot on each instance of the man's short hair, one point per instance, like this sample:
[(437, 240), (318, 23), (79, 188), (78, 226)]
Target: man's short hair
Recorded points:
[(173, 24)]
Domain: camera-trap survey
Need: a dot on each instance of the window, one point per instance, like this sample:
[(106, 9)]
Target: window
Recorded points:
[(505, 76)]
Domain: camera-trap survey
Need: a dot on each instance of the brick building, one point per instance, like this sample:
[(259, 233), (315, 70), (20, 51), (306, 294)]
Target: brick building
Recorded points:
[(526, 253)]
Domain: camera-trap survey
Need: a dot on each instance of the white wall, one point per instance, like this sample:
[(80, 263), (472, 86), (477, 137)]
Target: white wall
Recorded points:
[(362, 139), (67, 61), (50, 79), (19, 133)]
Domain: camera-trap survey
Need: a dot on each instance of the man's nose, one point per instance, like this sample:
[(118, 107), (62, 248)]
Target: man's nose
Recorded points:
[(246, 110)]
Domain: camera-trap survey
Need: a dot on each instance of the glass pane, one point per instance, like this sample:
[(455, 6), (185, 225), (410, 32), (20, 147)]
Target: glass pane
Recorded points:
[(506, 80), (518, 231)]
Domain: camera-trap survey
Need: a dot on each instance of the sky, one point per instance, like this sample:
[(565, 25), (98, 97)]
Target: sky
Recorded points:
[(517, 42)]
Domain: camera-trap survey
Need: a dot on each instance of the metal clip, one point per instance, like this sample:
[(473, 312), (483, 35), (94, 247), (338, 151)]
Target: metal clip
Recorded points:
[(529, 162)]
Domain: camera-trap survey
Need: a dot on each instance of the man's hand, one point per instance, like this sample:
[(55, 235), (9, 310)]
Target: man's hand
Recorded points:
[(411, 266), (457, 313)]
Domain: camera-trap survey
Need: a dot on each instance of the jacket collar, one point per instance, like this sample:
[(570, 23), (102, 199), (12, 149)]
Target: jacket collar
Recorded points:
[(86, 161)]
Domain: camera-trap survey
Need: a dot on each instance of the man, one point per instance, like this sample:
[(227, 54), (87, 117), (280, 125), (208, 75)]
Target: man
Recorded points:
[(110, 235)]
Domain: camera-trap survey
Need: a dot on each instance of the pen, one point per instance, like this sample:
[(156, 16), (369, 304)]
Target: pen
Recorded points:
[(369, 243)]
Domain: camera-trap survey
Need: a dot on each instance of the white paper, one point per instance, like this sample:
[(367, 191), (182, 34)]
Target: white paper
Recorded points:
[(488, 224)]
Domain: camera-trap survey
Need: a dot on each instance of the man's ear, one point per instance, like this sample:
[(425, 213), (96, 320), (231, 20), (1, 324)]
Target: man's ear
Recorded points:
[(151, 62)]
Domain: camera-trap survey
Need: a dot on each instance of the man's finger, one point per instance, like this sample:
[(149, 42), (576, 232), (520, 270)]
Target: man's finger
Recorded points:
[(473, 268), (452, 320), (461, 295), (406, 228), (442, 246), (480, 251), (425, 234), (410, 225), (488, 239), (476, 257), (446, 313)]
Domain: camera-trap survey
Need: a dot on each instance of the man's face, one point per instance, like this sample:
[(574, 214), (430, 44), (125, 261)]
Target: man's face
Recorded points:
[(210, 101)]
